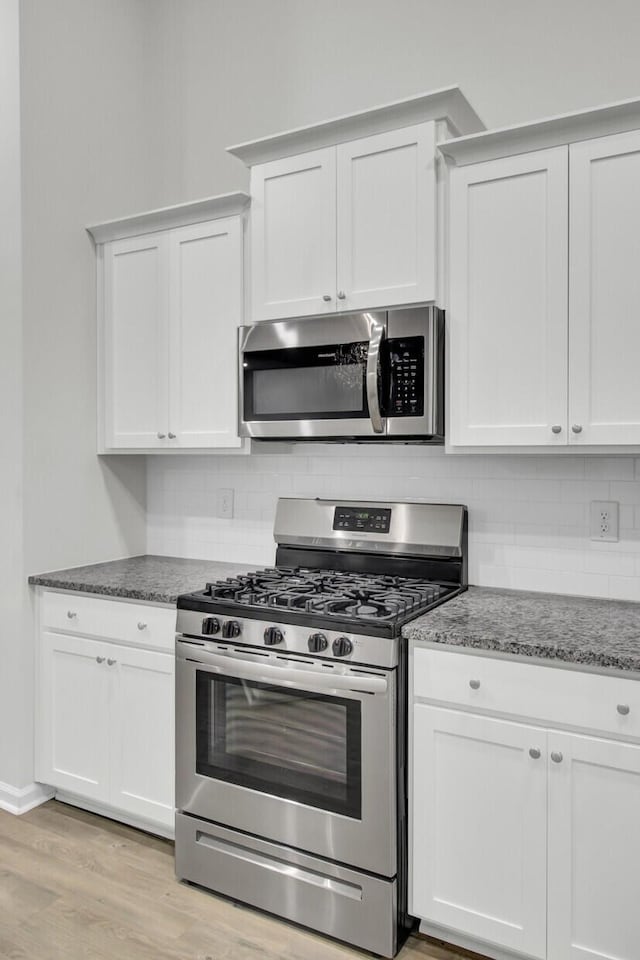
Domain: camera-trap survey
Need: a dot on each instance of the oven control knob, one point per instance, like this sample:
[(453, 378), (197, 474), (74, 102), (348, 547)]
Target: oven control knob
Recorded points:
[(272, 636), (342, 647), (317, 642), (210, 626), (231, 629)]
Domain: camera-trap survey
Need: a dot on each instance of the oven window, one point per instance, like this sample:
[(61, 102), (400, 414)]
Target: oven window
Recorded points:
[(289, 743), (306, 383)]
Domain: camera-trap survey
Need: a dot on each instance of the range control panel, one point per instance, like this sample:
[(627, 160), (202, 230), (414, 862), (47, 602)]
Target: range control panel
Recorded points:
[(362, 519), (406, 373)]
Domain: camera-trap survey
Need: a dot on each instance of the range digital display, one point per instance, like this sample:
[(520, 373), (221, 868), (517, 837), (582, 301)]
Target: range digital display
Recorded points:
[(359, 520)]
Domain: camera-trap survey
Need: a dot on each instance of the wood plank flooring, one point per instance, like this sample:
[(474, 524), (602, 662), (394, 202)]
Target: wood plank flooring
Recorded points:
[(74, 886)]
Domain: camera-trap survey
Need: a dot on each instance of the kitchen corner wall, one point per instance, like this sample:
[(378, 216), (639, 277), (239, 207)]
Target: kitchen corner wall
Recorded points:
[(528, 515)]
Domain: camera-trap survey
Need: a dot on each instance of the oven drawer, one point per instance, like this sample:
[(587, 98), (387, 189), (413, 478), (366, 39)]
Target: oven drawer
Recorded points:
[(550, 695), (343, 903), (136, 623)]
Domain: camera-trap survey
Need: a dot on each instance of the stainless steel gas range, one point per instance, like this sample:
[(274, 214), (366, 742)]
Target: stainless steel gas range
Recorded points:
[(291, 715)]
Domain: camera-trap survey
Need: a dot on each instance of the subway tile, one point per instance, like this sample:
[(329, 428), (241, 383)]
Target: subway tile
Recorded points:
[(625, 492), (609, 468)]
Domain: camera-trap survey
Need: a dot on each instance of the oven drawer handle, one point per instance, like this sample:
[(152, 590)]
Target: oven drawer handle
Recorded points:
[(281, 676)]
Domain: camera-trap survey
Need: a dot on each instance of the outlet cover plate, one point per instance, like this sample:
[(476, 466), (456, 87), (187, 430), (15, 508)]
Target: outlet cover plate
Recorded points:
[(224, 504), (604, 522)]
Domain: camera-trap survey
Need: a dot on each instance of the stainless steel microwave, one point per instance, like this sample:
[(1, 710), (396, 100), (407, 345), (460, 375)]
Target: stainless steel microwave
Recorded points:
[(372, 375)]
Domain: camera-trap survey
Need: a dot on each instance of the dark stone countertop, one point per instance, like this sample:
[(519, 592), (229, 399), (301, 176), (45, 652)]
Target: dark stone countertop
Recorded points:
[(151, 578), (578, 631)]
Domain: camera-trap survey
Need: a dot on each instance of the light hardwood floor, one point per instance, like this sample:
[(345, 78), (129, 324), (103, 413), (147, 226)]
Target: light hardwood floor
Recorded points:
[(74, 886)]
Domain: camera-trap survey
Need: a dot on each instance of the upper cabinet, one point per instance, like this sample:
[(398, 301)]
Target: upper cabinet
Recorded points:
[(170, 300), (543, 283), (344, 214)]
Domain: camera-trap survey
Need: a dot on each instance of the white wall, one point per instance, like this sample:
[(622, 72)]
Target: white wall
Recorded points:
[(240, 69), (15, 657)]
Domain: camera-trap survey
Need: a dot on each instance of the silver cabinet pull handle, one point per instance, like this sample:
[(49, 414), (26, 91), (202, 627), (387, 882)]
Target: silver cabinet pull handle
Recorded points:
[(534, 753), (474, 684), (172, 436), (623, 709), (161, 436), (556, 756), (142, 625), (71, 614), (326, 298), (111, 662), (556, 428), (342, 295), (577, 428), (99, 659)]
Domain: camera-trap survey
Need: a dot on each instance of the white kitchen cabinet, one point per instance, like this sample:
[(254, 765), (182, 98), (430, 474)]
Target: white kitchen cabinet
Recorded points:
[(525, 788), (543, 283), (594, 849), (508, 301), (105, 713), (604, 333), (479, 861), (170, 302), (346, 227)]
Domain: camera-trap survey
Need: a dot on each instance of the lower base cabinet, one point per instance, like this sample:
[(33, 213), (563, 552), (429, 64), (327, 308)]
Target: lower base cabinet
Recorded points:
[(525, 839), (105, 728)]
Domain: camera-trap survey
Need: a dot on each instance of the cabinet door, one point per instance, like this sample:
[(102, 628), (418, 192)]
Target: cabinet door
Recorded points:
[(594, 849), (293, 236), (508, 301), (387, 219), (73, 726), (205, 297), (479, 828), (604, 290), (142, 733), (135, 342)]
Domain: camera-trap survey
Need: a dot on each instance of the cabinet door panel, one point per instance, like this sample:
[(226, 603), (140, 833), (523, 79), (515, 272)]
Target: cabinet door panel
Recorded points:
[(387, 218), (293, 236), (594, 849), (605, 289), (73, 716), (508, 301), (205, 295), (479, 828), (142, 733), (135, 341)]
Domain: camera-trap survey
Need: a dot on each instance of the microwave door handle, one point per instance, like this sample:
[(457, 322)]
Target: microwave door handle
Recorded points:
[(373, 362)]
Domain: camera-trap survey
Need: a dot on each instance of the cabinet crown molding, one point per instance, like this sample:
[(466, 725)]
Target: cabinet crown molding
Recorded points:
[(448, 103), (602, 121), (165, 218)]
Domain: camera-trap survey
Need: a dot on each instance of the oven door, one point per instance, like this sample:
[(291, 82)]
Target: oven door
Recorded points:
[(313, 378), (295, 751)]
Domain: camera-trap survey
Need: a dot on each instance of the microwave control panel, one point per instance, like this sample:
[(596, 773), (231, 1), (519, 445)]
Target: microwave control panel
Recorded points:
[(362, 519), (406, 377)]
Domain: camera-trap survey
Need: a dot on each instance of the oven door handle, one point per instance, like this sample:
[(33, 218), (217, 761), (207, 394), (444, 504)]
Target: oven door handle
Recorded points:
[(285, 677), (373, 365)]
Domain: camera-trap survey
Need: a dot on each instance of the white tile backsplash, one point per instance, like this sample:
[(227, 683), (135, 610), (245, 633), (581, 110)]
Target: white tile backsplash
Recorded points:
[(528, 515)]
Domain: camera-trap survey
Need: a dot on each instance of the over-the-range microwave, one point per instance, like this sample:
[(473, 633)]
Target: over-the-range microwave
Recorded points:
[(372, 375)]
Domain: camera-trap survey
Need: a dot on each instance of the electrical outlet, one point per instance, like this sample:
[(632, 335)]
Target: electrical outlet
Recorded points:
[(604, 520), (224, 504)]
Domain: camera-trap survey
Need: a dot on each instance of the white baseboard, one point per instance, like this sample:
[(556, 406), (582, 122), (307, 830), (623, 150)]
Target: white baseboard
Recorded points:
[(19, 800), (113, 813)]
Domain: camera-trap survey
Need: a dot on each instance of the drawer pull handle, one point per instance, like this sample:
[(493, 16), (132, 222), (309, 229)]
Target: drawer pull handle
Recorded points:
[(534, 753), (99, 659), (623, 709), (141, 625), (111, 662), (556, 756), (71, 614), (474, 684)]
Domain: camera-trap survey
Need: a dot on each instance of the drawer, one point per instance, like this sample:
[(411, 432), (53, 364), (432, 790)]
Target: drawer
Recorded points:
[(549, 695), (84, 614)]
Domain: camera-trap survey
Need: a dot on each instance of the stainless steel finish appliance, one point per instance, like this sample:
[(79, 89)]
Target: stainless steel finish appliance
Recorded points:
[(356, 376), (291, 715)]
